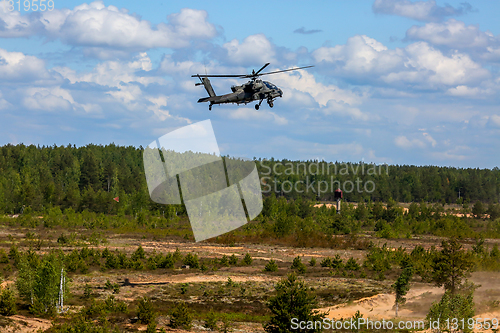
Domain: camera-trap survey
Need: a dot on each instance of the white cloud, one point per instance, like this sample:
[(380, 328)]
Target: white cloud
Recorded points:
[(458, 153), (427, 11), (260, 115), (16, 66), (470, 92), (430, 139), (418, 64), (405, 143), (96, 26), (452, 33), (494, 120), (114, 73), (255, 49), (305, 82), (48, 99), (360, 55), (429, 67)]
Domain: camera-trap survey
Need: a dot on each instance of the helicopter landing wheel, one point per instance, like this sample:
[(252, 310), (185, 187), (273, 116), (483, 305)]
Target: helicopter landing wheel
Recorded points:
[(210, 107), (270, 104), (257, 106)]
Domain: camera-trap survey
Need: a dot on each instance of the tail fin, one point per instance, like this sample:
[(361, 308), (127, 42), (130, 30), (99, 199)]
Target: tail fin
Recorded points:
[(206, 82)]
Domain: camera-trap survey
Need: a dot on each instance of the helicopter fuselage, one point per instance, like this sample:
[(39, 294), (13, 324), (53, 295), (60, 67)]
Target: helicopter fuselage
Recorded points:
[(254, 90)]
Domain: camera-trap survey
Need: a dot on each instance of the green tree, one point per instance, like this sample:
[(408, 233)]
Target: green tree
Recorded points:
[(478, 209), (211, 321), (7, 302), (451, 265), (247, 260), (25, 281), (46, 287), (145, 311), (271, 266), (292, 300), (454, 307), (181, 317), (402, 286)]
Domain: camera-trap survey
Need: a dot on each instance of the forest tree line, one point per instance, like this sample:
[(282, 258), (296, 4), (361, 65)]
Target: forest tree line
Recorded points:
[(89, 177)]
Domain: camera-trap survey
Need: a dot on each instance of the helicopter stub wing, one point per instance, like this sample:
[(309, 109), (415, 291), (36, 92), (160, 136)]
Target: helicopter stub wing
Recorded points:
[(210, 99)]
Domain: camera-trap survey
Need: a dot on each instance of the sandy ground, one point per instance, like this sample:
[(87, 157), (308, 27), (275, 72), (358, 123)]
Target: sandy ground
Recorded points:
[(22, 324), (381, 306)]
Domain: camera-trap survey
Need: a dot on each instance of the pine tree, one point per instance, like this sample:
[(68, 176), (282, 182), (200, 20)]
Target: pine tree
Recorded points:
[(451, 265), (292, 300), (402, 286)]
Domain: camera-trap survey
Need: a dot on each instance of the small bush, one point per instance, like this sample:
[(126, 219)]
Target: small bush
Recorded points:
[(4, 259), (312, 262), (271, 266), (181, 317), (87, 291), (7, 302), (177, 255), (352, 264), (184, 288), (224, 261), (298, 265), (108, 285), (191, 260), (138, 254), (233, 260), (151, 327), (116, 288), (145, 311), (336, 262), (247, 260), (211, 321), (167, 262)]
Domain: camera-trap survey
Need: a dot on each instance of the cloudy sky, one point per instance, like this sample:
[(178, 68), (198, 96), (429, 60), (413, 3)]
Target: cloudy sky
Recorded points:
[(395, 81)]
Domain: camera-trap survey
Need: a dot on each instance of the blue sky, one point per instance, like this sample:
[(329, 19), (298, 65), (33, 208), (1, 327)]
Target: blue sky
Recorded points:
[(395, 81)]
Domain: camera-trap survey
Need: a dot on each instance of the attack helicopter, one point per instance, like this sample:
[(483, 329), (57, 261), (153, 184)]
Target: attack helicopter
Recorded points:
[(253, 90)]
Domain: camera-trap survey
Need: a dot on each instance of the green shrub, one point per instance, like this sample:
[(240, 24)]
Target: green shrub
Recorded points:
[(191, 260), (167, 262), (7, 302), (87, 291), (352, 264), (271, 266), (298, 265), (336, 262), (4, 259), (224, 261), (108, 285), (282, 310), (233, 260), (247, 260), (181, 317), (211, 321), (151, 327), (312, 262), (145, 311), (139, 254), (116, 288), (177, 255), (184, 288)]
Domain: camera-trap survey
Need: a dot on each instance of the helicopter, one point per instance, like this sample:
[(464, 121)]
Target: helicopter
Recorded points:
[(253, 90)]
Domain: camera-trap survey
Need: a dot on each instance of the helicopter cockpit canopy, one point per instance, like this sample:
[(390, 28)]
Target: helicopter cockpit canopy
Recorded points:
[(270, 85)]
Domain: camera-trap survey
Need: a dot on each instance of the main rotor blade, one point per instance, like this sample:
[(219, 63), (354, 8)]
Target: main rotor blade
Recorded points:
[(218, 75), (262, 68), (286, 70)]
